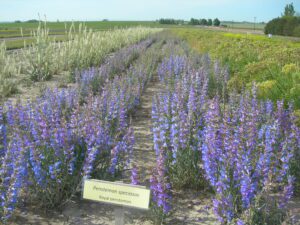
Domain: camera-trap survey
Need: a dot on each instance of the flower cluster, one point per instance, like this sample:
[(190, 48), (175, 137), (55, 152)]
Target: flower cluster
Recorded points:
[(96, 78), (134, 175), (178, 121), (177, 116), (171, 68), (246, 151), (160, 187)]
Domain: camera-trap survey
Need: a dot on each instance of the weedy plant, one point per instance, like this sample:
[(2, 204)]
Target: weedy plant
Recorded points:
[(8, 71), (81, 49), (40, 55), (273, 63)]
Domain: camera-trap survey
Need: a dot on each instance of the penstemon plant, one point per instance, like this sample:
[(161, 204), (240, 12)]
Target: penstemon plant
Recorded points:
[(246, 154), (161, 190), (49, 144), (245, 149)]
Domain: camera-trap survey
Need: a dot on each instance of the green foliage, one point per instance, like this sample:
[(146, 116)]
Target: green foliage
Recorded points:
[(40, 55), (8, 70), (297, 31), (194, 22), (216, 22), (289, 10), (287, 26), (45, 57), (170, 21), (203, 22), (265, 211), (272, 63), (33, 21), (209, 22)]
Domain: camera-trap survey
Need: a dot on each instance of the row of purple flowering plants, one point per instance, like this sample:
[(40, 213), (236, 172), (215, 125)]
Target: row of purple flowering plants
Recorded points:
[(48, 145), (244, 149)]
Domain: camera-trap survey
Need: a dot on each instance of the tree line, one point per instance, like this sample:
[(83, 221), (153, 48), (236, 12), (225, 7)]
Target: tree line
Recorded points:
[(171, 21), (288, 24), (193, 21), (205, 22)]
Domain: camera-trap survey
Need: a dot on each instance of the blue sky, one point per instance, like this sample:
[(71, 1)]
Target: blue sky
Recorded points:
[(237, 10)]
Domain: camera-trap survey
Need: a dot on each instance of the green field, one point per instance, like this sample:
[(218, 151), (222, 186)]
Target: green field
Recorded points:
[(11, 32), (14, 29), (244, 25), (273, 63)]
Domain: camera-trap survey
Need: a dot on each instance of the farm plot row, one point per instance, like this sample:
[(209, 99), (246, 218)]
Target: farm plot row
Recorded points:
[(48, 145), (271, 62), (244, 150), (45, 57)]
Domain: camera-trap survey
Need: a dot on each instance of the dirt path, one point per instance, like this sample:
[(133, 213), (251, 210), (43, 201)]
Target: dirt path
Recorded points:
[(143, 153)]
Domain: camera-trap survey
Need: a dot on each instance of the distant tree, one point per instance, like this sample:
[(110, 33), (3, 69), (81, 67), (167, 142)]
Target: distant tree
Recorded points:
[(297, 31), (217, 22), (287, 26), (18, 21), (32, 21), (209, 22), (203, 22), (170, 21), (290, 25), (289, 10), (194, 22)]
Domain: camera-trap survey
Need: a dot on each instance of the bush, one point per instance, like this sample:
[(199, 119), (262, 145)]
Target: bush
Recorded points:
[(297, 31), (8, 70), (194, 22), (217, 22), (283, 26), (252, 58)]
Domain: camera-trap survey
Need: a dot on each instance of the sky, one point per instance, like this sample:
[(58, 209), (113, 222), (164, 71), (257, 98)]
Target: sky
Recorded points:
[(84, 10)]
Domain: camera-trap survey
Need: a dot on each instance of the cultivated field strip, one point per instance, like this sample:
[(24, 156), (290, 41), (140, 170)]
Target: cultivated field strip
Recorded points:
[(46, 58), (157, 114)]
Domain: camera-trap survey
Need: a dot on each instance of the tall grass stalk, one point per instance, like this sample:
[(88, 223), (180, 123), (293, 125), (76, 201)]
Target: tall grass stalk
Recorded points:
[(46, 56)]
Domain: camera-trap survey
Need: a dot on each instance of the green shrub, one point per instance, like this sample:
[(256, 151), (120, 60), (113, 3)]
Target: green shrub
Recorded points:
[(273, 63), (297, 31), (283, 26), (265, 211), (267, 89), (8, 70)]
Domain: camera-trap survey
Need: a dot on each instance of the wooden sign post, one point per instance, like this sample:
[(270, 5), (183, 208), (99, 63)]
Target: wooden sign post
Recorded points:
[(119, 194)]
